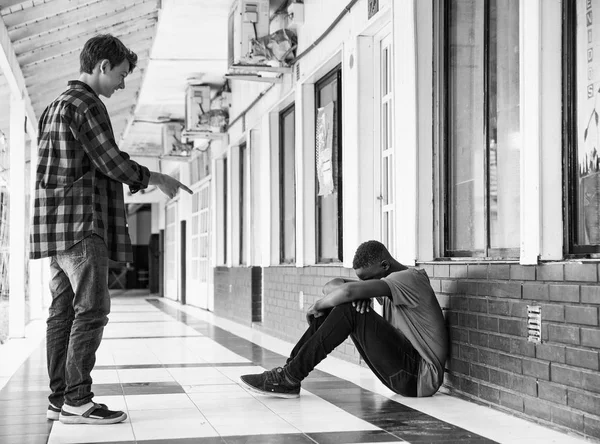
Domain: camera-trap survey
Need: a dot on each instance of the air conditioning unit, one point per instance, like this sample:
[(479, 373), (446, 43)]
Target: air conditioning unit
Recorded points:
[(197, 103), (248, 19), (173, 145)]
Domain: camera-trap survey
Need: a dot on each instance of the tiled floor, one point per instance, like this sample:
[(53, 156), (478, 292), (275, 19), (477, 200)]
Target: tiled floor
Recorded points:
[(175, 371)]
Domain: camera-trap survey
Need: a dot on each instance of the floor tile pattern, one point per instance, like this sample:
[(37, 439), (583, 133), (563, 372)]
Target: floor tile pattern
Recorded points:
[(177, 377)]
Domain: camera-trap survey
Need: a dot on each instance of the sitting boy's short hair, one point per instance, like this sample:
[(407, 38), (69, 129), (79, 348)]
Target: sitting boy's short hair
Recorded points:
[(369, 253)]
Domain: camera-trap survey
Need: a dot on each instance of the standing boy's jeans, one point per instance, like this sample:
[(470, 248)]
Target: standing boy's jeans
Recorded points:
[(77, 316), (384, 348)]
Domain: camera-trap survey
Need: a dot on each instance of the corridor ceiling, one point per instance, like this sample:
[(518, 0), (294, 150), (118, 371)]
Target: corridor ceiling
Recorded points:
[(175, 40)]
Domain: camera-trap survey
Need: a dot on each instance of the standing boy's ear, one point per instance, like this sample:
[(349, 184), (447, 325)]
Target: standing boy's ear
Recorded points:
[(104, 65)]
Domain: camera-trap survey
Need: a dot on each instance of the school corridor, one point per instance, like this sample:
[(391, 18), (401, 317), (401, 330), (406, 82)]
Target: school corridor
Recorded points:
[(175, 370)]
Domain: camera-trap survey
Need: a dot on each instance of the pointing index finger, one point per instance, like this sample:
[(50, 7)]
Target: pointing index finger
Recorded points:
[(185, 188)]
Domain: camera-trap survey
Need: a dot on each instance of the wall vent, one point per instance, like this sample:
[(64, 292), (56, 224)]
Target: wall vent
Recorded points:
[(534, 323)]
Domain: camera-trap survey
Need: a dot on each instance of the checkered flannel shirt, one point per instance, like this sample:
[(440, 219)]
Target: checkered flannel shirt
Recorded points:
[(79, 177)]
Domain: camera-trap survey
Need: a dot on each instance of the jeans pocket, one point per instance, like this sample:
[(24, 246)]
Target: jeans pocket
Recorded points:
[(75, 251)]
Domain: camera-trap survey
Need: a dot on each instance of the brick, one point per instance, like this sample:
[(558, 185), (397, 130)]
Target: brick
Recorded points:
[(550, 352), (449, 287), (499, 271), (552, 392), (443, 300), (479, 372), (564, 334), (581, 272), (590, 294), (506, 290), (428, 269), (489, 394), (459, 334), (459, 303), (582, 358), (590, 337), (478, 304), (441, 271), (519, 309), (477, 271), (515, 327), (522, 273), (511, 401), (567, 417), (484, 288), (467, 320), (498, 307), (458, 271), (488, 357), (583, 401), (581, 315), (564, 293), (487, 323), (510, 363), (553, 312), (469, 386), (522, 347), (566, 375), (535, 291), (458, 366), (535, 407), (468, 353), (539, 369), (436, 285), (550, 272), (501, 343), (478, 338), (591, 426)]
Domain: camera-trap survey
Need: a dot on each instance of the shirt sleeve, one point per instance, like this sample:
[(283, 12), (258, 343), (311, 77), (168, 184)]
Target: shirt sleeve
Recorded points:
[(405, 287), (94, 131)]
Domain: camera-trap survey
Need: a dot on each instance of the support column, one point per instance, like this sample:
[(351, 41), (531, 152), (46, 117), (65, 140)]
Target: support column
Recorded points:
[(36, 281), (16, 298)]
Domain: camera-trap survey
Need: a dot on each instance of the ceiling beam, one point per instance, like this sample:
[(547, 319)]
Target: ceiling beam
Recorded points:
[(18, 17), (125, 32), (86, 16), (14, 76), (91, 28)]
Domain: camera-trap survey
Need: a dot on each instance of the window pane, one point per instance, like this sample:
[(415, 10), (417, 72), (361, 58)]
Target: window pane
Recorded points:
[(288, 188), (466, 140), (504, 124), (588, 132), (329, 223)]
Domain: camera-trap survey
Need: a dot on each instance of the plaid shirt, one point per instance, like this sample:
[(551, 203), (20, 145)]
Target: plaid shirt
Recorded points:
[(79, 177)]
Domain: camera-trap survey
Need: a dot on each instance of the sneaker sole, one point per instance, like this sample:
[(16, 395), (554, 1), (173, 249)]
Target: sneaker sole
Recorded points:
[(78, 419), (52, 416), (274, 394)]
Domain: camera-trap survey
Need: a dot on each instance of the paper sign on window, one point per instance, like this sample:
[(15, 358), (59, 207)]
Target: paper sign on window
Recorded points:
[(324, 149)]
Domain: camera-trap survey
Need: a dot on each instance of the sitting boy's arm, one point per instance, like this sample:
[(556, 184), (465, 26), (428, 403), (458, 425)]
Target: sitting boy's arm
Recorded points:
[(353, 291), (335, 283)]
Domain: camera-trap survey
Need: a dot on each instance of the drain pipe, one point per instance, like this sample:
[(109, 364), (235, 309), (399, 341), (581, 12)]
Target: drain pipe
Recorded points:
[(341, 15)]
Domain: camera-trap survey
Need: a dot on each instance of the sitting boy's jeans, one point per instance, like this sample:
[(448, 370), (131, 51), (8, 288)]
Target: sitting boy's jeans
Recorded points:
[(384, 348), (76, 320)]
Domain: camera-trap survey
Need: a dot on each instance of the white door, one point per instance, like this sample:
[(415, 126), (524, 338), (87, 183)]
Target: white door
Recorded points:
[(200, 277), (172, 253)]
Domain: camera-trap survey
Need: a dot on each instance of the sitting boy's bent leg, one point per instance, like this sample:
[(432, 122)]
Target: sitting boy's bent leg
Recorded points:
[(387, 352)]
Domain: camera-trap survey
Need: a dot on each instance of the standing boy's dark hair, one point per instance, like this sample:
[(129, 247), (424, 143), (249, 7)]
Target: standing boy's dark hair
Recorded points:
[(369, 253), (108, 47)]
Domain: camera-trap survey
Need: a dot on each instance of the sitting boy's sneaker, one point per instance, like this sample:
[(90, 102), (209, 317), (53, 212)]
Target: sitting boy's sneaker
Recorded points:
[(274, 382), (53, 412), (97, 414)]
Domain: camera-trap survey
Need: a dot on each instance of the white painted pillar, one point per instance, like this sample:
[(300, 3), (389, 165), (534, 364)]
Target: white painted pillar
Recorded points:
[(36, 281), (16, 320), (530, 62), (406, 136)]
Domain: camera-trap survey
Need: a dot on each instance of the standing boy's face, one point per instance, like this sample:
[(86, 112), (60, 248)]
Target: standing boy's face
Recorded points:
[(112, 79)]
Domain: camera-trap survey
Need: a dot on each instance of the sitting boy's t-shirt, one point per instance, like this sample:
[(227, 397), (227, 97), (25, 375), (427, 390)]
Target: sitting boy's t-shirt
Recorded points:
[(414, 310)]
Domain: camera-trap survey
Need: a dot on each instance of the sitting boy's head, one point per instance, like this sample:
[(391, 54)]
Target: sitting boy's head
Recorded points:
[(372, 260)]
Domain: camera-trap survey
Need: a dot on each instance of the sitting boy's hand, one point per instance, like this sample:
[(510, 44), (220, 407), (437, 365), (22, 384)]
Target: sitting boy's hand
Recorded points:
[(312, 311), (363, 305)]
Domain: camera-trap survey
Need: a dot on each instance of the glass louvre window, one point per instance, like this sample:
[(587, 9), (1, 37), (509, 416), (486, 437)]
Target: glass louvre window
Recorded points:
[(482, 128), (329, 167), (225, 213), (581, 62), (287, 185)]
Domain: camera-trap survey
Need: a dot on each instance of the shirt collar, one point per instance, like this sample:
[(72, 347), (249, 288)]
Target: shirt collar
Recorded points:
[(74, 83)]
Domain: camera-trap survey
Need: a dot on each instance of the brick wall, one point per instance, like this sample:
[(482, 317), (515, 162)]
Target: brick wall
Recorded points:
[(233, 293), (557, 381)]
